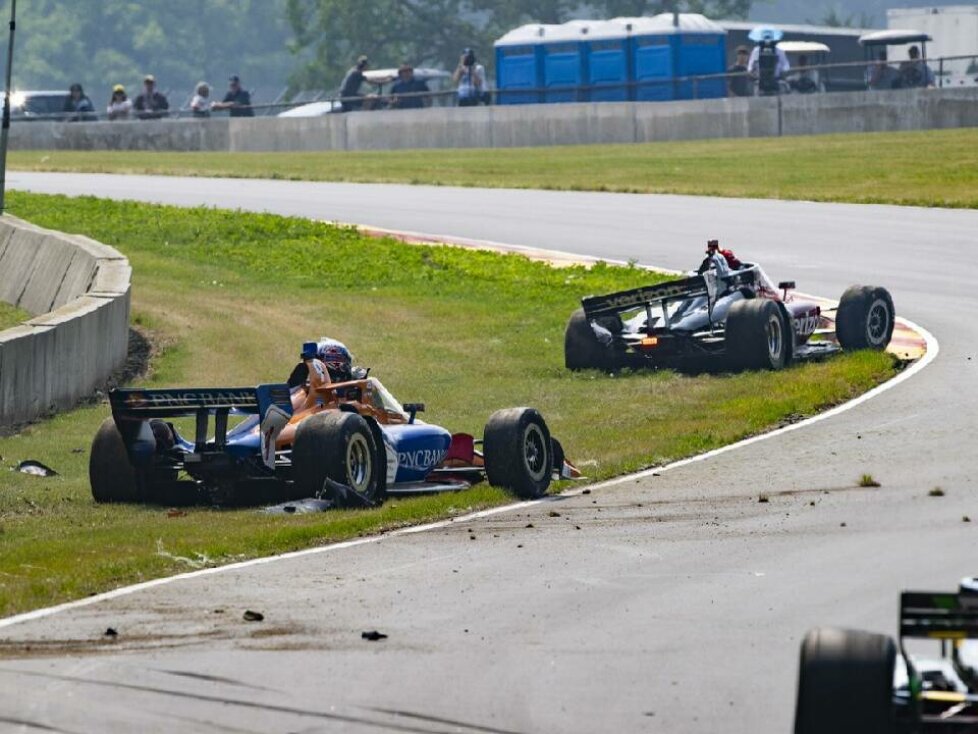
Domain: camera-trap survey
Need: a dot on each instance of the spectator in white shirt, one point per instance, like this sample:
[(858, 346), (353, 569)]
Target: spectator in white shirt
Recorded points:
[(200, 105), (120, 105)]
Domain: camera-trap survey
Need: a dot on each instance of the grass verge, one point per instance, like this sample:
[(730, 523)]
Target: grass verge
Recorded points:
[(927, 168), (11, 316), (228, 297)]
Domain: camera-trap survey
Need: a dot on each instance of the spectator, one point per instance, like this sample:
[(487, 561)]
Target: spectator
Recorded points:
[(237, 100), (408, 84), (802, 81), (200, 104), (470, 77), (350, 95), (78, 106), (768, 64), (881, 75), (120, 105), (151, 104), (739, 86), (915, 72)]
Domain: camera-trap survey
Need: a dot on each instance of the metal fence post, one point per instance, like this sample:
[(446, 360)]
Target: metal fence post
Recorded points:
[(5, 130)]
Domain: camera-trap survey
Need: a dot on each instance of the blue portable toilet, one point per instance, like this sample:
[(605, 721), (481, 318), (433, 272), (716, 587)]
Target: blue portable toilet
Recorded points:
[(608, 73), (653, 63), (565, 62), (699, 48), (519, 64)]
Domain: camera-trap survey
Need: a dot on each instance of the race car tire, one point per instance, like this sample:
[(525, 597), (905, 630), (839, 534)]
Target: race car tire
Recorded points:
[(112, 476), (757, 336), (845, 682), (582, 350), (518, 452), (865, 318), (339, 446)]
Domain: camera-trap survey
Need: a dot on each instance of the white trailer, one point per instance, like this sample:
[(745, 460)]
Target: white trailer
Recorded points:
[(954, 29)]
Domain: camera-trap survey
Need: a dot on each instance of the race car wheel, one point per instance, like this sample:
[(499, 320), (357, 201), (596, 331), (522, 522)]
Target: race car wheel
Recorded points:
[(582, 350), (111, 474), (757, 336), (845, 682), (518, 452), (865, 318), (338, 446)]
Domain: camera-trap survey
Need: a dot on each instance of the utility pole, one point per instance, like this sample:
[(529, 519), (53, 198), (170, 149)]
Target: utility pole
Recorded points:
[(5, 130)]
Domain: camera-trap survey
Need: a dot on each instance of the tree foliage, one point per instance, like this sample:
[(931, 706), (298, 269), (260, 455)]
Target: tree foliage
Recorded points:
[(434, 32), (104, 42)]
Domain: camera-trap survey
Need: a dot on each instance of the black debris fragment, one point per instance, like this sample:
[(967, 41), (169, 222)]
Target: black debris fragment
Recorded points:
[(373, 635), (586, 491), (553, 513), (111, 632), (250, 616), (529, 525), (36, 469)]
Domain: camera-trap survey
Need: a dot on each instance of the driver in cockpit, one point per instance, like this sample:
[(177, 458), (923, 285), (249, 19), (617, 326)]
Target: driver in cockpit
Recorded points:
[(720, 260)]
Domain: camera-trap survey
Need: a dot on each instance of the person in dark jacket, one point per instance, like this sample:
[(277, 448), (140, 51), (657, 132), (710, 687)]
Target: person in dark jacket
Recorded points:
[(78, 107), (237, 100), (151, 104), (408, 84), (350, 96), (739, 85)]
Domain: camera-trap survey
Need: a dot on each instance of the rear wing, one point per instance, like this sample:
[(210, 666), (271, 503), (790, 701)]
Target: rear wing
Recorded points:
[(939, 615), (136, 404), (631, 300), (132, 409)]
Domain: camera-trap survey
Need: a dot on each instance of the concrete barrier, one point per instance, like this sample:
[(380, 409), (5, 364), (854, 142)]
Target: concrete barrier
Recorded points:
[(524, 125), (78, 292)]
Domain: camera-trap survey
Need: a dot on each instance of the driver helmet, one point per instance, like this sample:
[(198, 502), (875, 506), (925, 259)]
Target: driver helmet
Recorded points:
[(337, 358)]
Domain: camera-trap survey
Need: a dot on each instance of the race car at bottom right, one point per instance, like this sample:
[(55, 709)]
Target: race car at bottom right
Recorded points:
[(856, 682)]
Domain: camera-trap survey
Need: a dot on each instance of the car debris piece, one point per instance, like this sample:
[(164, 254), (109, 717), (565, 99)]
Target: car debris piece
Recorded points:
[(36, 469), (250, 616), (111, 632), (373, 635)]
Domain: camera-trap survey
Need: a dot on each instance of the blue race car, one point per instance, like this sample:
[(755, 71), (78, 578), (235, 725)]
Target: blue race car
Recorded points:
[(349, 444)]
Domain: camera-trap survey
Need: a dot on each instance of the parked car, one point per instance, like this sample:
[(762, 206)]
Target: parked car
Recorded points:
[(37, 105)]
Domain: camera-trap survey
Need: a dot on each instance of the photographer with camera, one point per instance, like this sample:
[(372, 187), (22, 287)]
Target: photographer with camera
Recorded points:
[(471, 80)]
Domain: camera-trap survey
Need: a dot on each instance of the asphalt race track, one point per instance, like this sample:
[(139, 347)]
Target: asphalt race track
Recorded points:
[(671, 603)]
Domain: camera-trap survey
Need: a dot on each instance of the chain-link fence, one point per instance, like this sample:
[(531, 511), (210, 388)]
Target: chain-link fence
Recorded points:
[(809, 79)]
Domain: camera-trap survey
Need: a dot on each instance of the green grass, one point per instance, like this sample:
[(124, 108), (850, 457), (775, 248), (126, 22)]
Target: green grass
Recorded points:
[(11, 316), (229, 297), (930, 168)]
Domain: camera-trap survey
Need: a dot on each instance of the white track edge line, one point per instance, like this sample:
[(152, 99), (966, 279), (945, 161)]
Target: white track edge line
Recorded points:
[(932, 351)]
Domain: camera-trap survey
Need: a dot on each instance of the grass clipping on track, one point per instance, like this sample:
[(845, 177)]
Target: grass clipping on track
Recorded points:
[(229, 297), (926, 168)]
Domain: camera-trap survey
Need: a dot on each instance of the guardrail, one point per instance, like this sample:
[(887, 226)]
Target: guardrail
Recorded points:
[(78, 291), (852, 76)]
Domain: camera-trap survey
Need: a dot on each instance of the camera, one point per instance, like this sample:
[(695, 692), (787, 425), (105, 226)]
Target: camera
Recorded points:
[(468, 59)]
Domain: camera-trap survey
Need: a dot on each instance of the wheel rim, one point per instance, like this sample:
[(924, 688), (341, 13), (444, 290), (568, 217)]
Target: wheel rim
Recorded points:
[(359, 463), (774, 338), (535, 452), (877, 322)]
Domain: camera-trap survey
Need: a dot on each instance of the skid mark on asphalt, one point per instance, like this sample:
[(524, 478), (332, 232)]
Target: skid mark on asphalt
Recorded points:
[(254, 705), (210, 678), (32, 725)]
